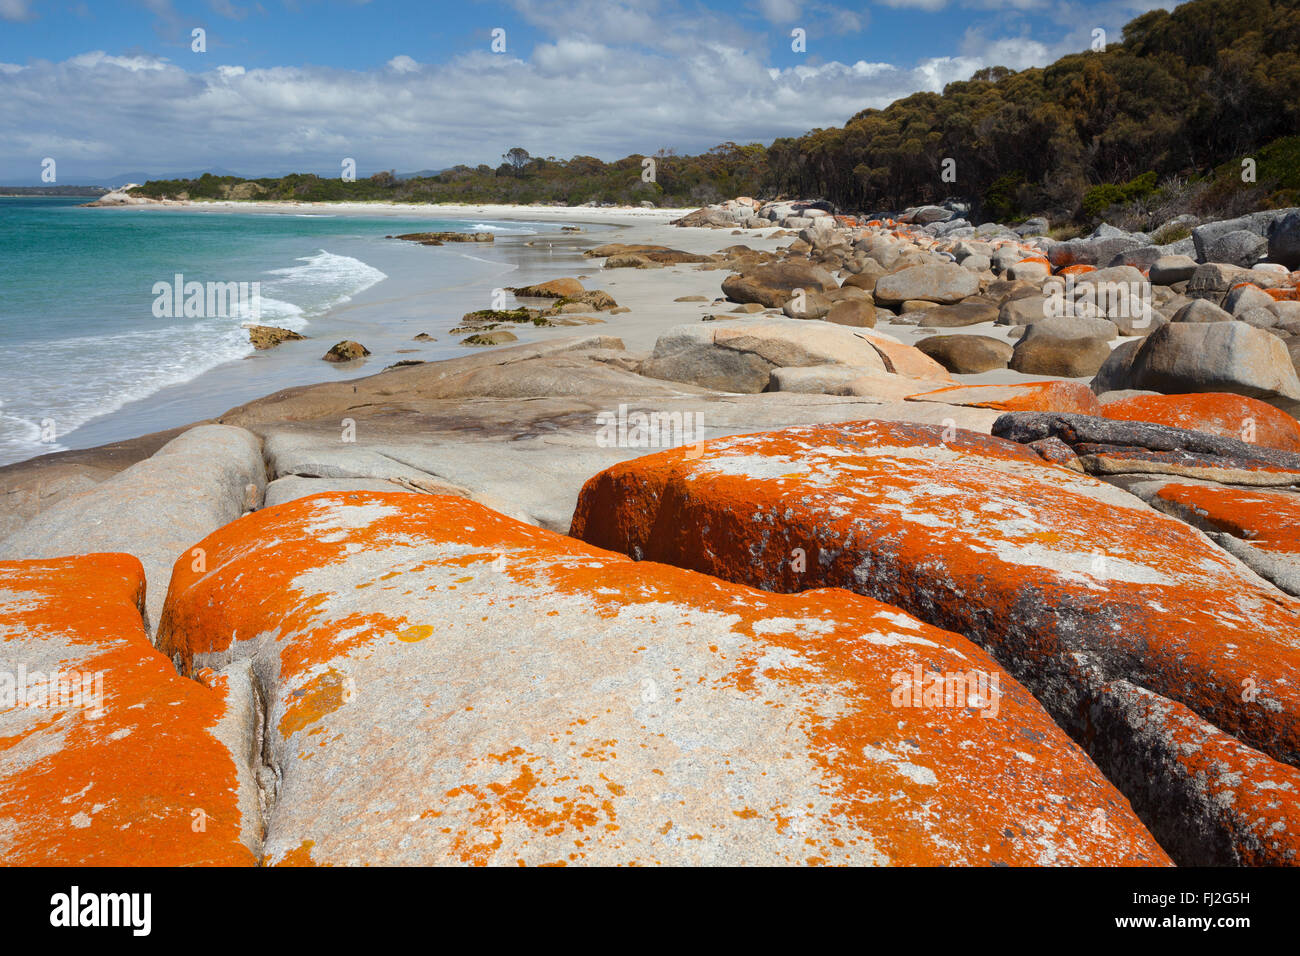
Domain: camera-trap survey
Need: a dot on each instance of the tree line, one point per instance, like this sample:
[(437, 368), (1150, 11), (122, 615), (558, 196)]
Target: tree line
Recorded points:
[(1194, 109)]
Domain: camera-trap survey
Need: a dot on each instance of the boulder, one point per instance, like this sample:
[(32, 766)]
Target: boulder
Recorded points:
[(739, 355), (969, 312), (1216, 357), (1218, 413), (269, 336), (1284, 240), (1243, 297), (967, 354), (1070, 582), (554, 289), (1212, 280), (156, 509), (346, 351), (111, 758), (1023, 310), (771, 285), (1114, 374), (499, 337), (1212, 239), (444, 685), (1069, 347), (943, 282), (1239, 247), (809, 305), (855, 312), (1170, 269), (1201, 310), (1107, 446)]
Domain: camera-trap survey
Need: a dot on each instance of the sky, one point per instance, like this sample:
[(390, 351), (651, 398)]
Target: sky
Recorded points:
[(110, 88)]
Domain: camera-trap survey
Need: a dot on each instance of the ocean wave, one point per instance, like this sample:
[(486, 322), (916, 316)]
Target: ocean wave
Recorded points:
[(320, 283), (515, 230), (112, 371)]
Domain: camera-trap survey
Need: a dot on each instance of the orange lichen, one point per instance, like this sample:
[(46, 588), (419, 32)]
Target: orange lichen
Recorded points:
[(832, 692), (146, 782), (1053, 396), (1268, 520), (1219, 413)]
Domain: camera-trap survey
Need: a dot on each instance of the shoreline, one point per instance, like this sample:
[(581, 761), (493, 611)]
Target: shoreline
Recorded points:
[(375, 313), (650, 294), (512, 212)]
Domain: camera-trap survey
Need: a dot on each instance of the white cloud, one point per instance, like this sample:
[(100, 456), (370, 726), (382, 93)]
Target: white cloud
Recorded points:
[(780, 11), (98, 58), (607, 81), (928, 5), (17, 10)]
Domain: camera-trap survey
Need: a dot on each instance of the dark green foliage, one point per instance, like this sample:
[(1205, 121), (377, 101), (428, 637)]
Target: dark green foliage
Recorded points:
[(1185, 96)]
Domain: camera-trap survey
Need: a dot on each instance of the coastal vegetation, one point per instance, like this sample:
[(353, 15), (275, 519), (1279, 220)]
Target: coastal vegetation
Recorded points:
[(1193, 110)]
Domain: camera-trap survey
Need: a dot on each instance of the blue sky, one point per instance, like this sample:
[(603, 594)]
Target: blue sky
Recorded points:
[(114, 87)]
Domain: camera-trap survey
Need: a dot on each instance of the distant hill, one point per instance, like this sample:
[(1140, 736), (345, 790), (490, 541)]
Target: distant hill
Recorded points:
[(52, 190), (1193, 110)]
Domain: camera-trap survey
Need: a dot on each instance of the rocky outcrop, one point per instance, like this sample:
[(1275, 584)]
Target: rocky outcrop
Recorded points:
[(739, 356), (773, 285), (154, 510), (444, 685), (554, 289), (110, 758), (1109, 447), (1218, 413), (1214, 357), (438, 238), (945, 283), (346, 351), (269, 336), (968, 354), (1073, 585)]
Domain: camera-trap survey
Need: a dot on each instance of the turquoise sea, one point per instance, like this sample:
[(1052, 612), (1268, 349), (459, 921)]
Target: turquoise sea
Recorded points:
[(84, 359)]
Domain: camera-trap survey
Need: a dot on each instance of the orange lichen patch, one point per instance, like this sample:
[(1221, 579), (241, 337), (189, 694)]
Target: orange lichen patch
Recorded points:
[(1284, 295), (1072, 397), (1076, 270), (953, 533), (1252, 799), (1219, 413), (301, 856), (568, 754), (1268, 520), (321, 695), (140, 780), (1039, 259)]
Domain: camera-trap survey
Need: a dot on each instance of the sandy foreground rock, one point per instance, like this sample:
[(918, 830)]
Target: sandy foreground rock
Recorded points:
[(1070, 583), (119, 761), (445, 685)]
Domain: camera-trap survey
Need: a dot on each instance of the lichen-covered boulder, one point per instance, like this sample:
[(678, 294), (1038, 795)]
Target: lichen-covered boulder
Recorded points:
[(1219, 413), (446, 685), (1071, 583), (108, 757)]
